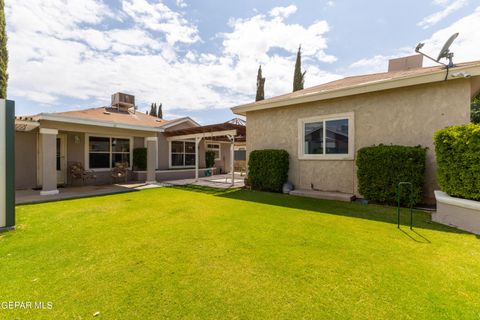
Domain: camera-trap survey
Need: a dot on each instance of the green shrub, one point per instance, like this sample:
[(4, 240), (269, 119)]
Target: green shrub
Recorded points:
[(458, 159), (210, 159), (268, 169), (140, 159), (381, 168)]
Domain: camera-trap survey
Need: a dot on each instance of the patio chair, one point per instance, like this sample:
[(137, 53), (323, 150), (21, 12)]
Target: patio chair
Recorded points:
[(78, 172), (120, 171)]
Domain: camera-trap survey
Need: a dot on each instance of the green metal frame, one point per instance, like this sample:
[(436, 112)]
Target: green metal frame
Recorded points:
[(399, 187), (10, 164)]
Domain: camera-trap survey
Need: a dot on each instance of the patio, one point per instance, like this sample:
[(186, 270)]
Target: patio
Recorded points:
[(217, 181)]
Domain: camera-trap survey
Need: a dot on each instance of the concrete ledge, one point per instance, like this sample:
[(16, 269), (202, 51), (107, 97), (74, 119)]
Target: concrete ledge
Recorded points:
[(49, 192), (325, 195), (460, 213)]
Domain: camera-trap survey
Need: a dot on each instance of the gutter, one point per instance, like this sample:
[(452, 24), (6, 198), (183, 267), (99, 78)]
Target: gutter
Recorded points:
[(100, 123), (372, 86)]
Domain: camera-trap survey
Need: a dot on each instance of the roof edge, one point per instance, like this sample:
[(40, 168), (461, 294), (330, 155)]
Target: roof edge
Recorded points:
[(99, 123), (362, 88)]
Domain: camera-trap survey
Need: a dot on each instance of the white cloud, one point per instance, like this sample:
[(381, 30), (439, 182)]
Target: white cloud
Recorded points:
[(283, 12), (159, 17), (181, 3), (465, 47), (330, 3), (55, 56), (449, 7)]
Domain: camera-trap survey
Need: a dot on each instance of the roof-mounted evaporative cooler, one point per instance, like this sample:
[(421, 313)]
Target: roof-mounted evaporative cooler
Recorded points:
[(7, 164)]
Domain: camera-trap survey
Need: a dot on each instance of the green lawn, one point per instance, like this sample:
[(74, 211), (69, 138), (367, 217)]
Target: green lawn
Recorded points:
[(196, 253)]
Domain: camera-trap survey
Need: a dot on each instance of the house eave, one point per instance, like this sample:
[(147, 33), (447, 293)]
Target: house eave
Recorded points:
[(99, 123), (363, 88)]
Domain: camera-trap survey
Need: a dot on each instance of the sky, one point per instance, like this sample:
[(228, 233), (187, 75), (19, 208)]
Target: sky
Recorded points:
[(200, 57)]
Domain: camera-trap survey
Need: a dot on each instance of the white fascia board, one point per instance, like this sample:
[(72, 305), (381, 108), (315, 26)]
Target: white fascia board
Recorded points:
[(362, 88), (99, 123), (204, 135), (179, 121)]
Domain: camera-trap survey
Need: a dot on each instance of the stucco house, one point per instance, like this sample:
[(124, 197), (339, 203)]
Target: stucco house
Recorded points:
[(323, 127), (48, 144)]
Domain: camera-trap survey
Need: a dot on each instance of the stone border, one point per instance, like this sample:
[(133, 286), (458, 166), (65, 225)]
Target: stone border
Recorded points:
[(460, 213)]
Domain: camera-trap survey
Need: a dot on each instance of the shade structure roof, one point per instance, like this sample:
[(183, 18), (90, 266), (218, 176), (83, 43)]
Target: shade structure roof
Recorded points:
[(215, 132)]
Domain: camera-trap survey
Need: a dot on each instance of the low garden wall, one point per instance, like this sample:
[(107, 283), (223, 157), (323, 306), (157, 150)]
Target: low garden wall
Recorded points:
[(458, 159)]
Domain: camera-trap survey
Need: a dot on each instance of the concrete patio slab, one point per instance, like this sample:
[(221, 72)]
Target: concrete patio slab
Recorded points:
[(33, 196)]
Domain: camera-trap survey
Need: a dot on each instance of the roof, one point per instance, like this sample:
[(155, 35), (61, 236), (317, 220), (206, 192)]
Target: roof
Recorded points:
[(361, 84), (114, 115), (108, 117)]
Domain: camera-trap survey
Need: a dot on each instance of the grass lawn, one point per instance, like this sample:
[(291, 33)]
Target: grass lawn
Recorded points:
[(197, 253)]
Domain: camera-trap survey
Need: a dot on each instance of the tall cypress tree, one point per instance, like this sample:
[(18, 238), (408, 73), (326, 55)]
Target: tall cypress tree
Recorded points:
[(298, 76), (160, 111), (153, 109), (3, 52), (260, 85)]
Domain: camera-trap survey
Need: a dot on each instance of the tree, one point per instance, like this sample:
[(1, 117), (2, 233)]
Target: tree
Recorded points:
[(160, 112), (153, 109), (3, 52), (475, 112), (298, 76), (260, 85)]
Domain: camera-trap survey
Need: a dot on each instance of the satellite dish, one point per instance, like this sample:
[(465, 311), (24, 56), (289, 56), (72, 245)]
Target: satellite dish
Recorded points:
[(444, 53)]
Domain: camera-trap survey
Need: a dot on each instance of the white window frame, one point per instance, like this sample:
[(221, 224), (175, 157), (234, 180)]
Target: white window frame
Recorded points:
[(87, 150), (170, 166), (213, 149), (351, 137)]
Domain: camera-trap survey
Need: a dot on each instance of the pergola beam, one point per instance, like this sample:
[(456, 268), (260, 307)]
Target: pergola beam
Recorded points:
[(203, 135)]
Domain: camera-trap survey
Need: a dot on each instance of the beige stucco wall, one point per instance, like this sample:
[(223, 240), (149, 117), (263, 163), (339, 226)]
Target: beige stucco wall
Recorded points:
[(163, 147), (25, 160), (406, 116)]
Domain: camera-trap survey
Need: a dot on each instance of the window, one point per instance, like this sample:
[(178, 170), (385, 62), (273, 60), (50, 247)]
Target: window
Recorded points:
[(328, 137), (215, 147), (182, 154), (104, 152)]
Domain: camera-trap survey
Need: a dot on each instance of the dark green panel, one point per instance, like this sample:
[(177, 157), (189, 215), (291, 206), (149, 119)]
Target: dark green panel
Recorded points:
[(10, 161)]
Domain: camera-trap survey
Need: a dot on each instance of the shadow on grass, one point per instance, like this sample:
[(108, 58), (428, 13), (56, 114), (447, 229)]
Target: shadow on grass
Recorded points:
[(421, 219)]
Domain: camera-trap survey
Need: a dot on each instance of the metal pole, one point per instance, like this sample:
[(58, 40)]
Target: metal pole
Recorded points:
[(232, 156)]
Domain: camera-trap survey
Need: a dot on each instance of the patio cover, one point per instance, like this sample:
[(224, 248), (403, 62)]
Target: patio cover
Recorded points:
[(227, 131)]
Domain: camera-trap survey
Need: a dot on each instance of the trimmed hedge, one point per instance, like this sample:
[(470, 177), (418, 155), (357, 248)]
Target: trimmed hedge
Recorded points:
[(382, 167), (458, 159), (268, 169), (210, 159), (140, 159)]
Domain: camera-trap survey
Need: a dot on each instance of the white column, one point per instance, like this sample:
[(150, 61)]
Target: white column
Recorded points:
[(151, 159), (197, 143), (232, 159), (48, 139)]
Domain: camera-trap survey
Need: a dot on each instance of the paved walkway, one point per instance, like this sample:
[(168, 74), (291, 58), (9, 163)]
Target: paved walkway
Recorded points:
[(33, 196), (217, 181)]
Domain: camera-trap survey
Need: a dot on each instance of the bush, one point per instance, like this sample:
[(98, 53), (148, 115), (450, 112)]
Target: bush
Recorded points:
[(210, 159), (140, 159), (268, 169), (458, 158), (381, 168)]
